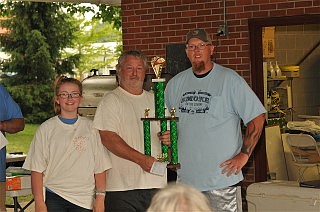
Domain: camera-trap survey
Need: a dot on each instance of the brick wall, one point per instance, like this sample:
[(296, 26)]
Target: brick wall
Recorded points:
[(151, 25)]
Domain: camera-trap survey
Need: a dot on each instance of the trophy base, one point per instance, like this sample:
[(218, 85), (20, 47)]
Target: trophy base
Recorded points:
[(174, 166)]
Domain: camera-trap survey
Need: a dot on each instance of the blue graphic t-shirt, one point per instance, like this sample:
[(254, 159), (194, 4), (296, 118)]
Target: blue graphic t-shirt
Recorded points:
[(210, 110)]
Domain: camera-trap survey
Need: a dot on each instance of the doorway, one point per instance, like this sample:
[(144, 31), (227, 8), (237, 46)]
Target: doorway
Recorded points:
[(256, 55)]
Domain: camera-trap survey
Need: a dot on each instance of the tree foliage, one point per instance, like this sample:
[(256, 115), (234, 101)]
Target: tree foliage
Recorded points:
[(91, 43), (38, 33)]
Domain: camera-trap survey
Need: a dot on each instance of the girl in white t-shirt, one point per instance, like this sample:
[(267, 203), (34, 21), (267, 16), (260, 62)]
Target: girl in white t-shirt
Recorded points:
[(67, 160)]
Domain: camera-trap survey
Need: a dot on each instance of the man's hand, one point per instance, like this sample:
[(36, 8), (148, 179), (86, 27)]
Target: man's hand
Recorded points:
[(146, 163), (165, 137), (235, 164)]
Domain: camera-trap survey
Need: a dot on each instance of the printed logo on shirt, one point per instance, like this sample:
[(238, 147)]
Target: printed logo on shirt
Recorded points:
[(80, 143), (195, 102)]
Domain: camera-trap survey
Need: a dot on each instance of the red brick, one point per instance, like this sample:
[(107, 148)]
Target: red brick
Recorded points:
[(147, 5), (175, 27), (146, 17), (167, 9), (251, 8), (175, 15), (285, 5), (189, 13), (168, 21), (134, 30), (161, 4), (235, 61), (203, 12), (140, 11), (234, 48), (161, 16), (268, 7), (243, 2), (295, 11), (242, 41), (260, 1), (244, 67), (244, 15), (313, 10), (260, 14), (242, 54), (182, 20), (228, 54), (228, 42), (182, 8), (278, 13), (175, 40), (303, 4), (237, 9)]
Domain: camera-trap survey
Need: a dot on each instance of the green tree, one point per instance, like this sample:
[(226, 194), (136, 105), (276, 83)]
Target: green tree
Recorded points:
[(37, 34), (89, 43)]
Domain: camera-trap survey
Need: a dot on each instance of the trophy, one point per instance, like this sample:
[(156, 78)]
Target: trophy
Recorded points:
[(169, 154)]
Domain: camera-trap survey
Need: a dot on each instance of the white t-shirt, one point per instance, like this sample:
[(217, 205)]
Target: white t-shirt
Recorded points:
[(121, 112), (68, 156)]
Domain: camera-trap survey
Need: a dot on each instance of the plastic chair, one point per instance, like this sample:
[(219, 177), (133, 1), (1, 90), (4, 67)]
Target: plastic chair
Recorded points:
[(305, 152)]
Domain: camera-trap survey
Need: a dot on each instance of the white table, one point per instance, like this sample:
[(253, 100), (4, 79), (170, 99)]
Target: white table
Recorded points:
[(11, 158), (17, 193)]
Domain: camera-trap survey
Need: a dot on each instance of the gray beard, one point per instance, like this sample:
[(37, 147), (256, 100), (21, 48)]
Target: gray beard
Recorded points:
[(198, 67)]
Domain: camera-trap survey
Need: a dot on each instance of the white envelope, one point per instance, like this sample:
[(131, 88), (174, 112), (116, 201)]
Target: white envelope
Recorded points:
[(159, 168)]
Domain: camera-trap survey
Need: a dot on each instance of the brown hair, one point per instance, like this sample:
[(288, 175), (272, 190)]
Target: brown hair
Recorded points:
[(58, 83)]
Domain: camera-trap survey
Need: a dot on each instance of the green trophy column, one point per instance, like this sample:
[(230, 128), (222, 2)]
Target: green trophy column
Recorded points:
[(159, 98), (147, 139), (160, 110), (174, 141)]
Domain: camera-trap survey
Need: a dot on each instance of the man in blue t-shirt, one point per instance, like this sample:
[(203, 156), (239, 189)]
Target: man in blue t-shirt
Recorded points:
[(11, 121), (210, 101)]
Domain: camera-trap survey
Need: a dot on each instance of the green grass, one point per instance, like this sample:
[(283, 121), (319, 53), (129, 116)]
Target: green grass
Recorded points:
[(20, 142)]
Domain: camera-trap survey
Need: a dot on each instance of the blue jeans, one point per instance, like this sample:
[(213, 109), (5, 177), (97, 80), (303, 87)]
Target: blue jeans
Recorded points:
[(55, 203)]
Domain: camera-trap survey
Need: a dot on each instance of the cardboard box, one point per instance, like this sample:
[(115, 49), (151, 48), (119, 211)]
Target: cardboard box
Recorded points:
[(294, 73), (268, 43), (18, 182)]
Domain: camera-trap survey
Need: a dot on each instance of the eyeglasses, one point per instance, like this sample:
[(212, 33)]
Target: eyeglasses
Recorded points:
[(69, 95), (200, 46)]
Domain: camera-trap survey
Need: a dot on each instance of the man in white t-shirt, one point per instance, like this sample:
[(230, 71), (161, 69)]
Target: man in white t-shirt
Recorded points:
[(130, 185)]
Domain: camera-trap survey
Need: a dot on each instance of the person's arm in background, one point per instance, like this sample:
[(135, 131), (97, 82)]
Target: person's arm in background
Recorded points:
[(252, 135), (12, 126), (37, 190)]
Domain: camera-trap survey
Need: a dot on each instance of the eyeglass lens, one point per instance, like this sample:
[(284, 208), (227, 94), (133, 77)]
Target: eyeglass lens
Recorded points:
[(200, 46), (69, 95)]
